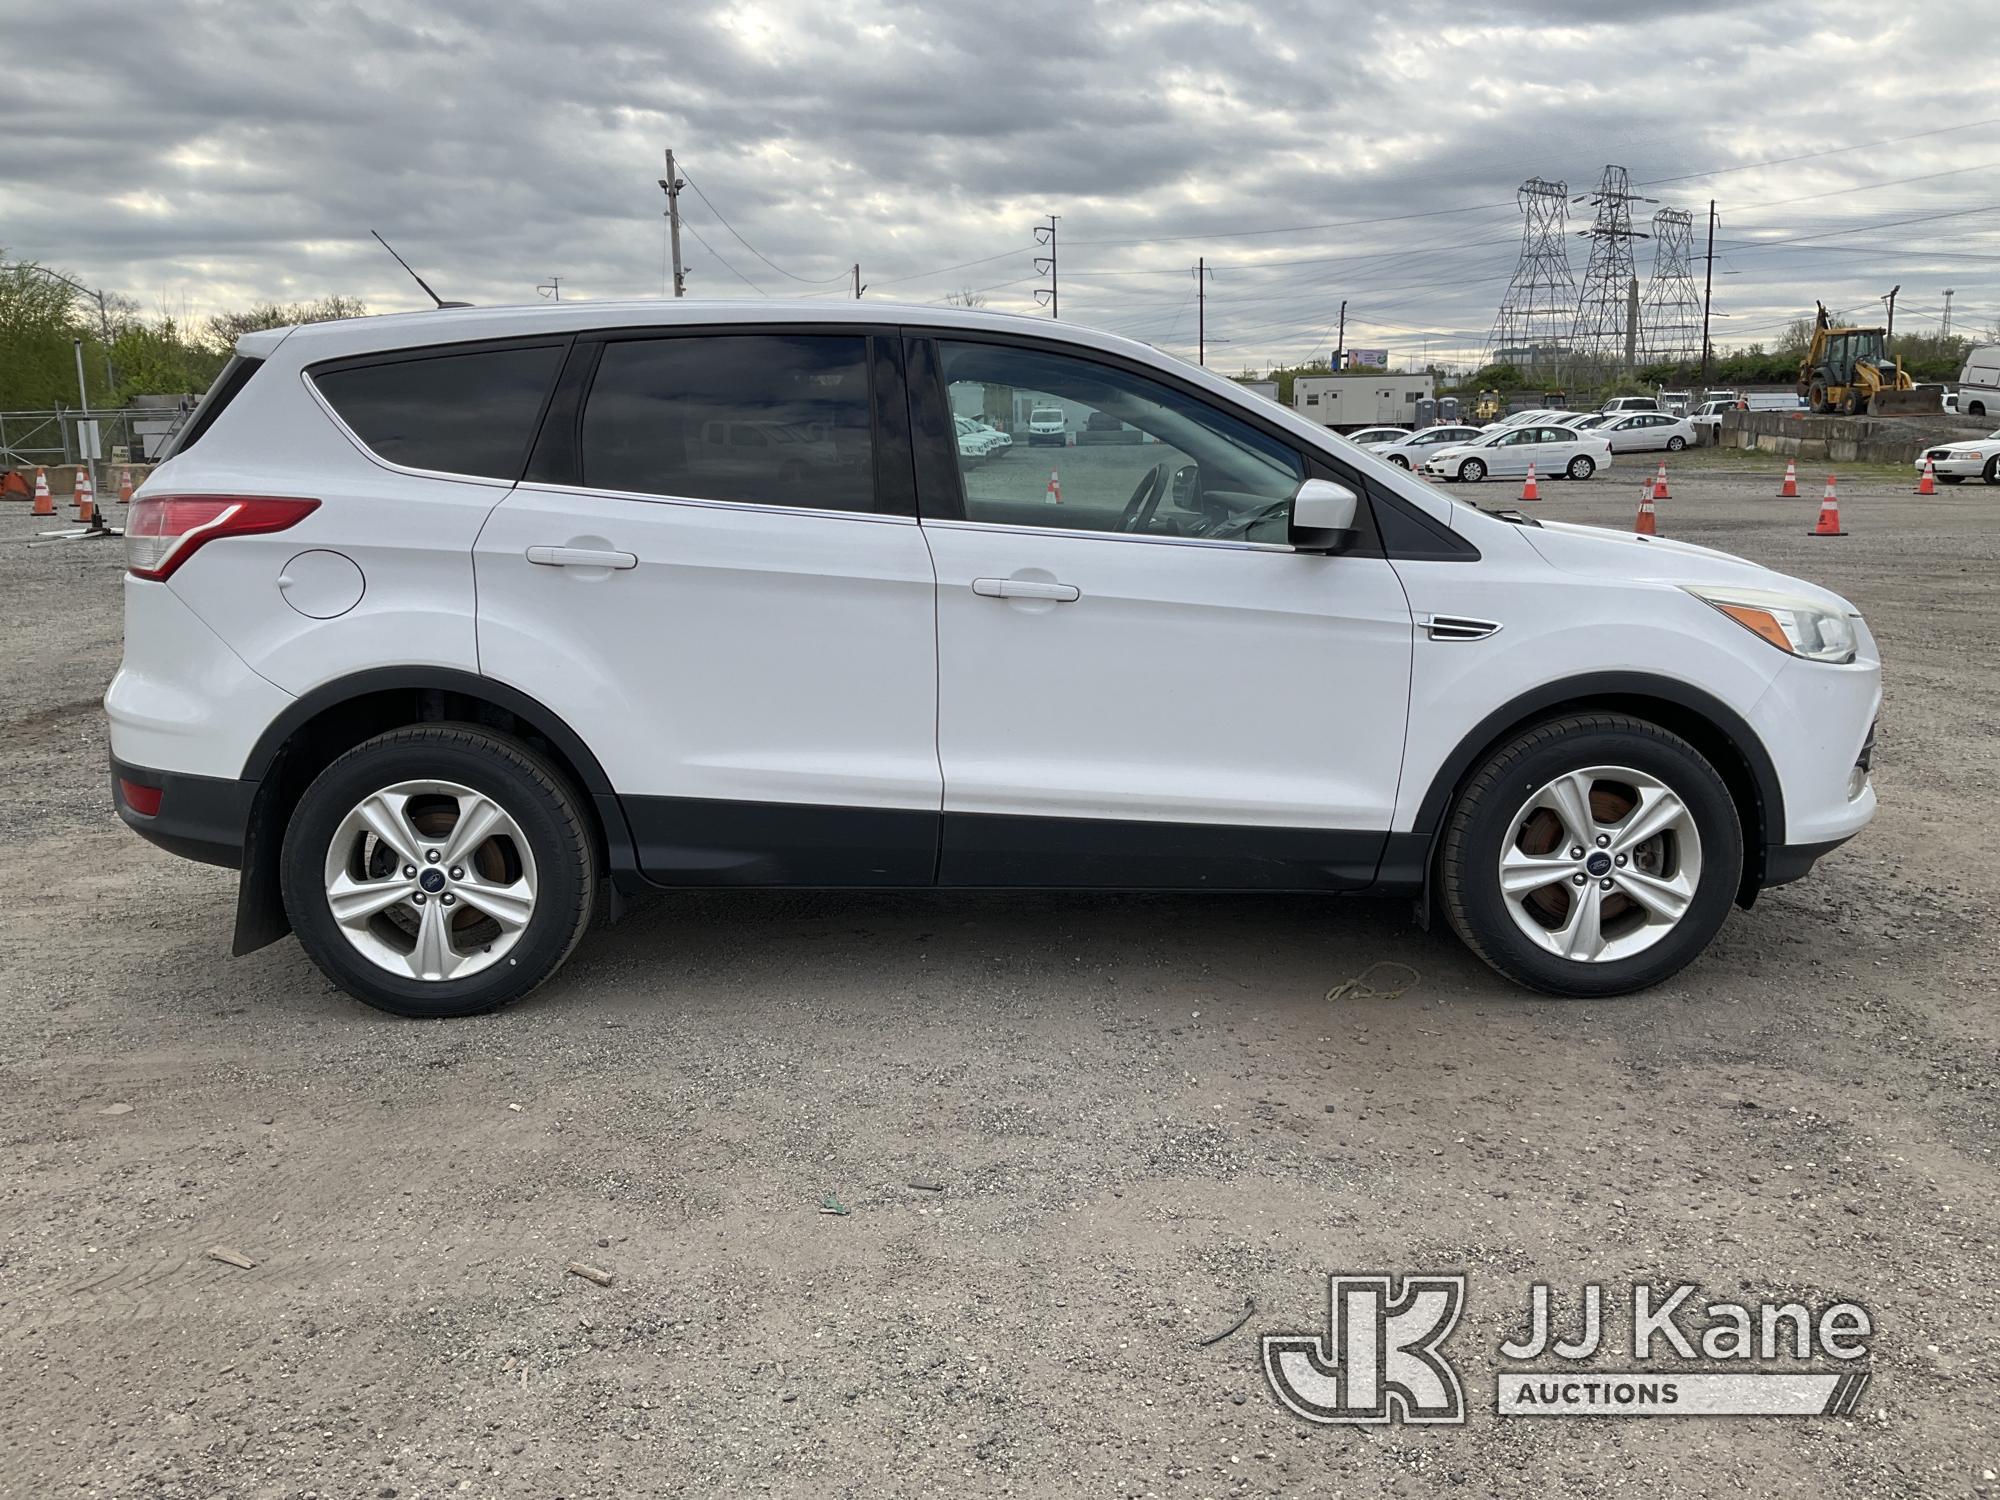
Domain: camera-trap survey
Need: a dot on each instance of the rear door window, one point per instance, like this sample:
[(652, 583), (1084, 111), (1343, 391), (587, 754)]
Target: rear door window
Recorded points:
[(768, 418), (469, 412)]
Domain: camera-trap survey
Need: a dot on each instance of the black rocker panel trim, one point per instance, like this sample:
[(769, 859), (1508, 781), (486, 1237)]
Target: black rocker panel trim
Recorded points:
[(692, 841), (1010, 850)]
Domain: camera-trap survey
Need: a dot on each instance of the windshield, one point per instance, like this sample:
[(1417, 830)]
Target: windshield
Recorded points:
[(1044, 414)]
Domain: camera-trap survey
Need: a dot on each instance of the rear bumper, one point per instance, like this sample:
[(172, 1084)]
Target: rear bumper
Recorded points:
[(202, 818)]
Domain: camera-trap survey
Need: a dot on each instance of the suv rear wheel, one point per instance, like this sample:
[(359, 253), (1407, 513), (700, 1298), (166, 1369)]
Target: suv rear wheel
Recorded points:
[(439, 870), (1595, 855)]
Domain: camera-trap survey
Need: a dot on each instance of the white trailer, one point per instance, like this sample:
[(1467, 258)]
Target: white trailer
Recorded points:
[(1360, 398)]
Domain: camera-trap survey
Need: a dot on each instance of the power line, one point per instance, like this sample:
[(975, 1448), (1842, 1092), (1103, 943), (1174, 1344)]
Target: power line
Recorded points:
[(726, 266), (808, 280), (1779, 161)]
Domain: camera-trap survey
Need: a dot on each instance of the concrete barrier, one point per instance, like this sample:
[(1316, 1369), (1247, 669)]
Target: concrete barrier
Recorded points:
[(1840, 440)]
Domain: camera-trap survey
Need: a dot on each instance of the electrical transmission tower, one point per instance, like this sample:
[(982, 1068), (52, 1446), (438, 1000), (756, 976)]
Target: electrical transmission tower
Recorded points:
[(1670, 316), (1532, 330), (1604, 330)]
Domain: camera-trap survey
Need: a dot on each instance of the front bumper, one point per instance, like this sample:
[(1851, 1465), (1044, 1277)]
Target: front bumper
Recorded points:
[(202, 818), (1962, 465)]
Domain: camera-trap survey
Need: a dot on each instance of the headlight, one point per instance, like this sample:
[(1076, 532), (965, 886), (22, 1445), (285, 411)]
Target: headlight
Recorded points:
[(1799, 626)]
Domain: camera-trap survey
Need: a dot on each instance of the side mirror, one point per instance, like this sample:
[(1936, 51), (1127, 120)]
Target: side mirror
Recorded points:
[(1323, 516)]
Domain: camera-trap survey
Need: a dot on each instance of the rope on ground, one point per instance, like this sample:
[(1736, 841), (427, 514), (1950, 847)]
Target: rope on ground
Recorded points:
[(1249, 1307), (1359, 988)]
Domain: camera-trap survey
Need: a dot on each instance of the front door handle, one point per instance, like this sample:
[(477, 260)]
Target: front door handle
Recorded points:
[(580, 557), (1025, 588)]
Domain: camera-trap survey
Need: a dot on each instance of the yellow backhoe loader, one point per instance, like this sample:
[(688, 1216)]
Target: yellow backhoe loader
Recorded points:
[(1846, 368)]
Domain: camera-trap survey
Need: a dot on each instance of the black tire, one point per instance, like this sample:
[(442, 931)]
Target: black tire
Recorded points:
[(1977, 409), (1676, 443), (1472, 471), (1399, 461), (1483, 821), (547, 809), (1581, 467), (1991, 474), (1954, 479)]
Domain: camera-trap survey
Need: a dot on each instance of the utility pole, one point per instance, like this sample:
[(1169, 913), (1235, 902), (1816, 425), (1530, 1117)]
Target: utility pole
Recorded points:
[(1707, 295), (671, 185), (1200, 309), (1048, 296), (858, 287), (1632, 324), (552, 288), (1889, 334), (1340, 339), (1948, 295)]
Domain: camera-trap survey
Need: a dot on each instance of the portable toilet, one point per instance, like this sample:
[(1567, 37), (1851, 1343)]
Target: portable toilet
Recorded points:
[(1427, 412), (1447, 409)]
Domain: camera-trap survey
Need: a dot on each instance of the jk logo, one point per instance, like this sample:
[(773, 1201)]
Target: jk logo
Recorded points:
[(1380, 1358)]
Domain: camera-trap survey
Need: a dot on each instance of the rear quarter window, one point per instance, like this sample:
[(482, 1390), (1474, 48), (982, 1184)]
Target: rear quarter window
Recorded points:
[(228, 385), (471, 411)]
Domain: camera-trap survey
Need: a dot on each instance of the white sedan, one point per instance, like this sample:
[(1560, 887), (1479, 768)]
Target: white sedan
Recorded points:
[(1643, 431), (1554, 451), (1413, 448), (1368, 437), (1954, 463)]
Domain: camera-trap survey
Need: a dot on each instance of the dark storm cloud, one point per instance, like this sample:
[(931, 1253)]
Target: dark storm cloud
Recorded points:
[(198, 154)]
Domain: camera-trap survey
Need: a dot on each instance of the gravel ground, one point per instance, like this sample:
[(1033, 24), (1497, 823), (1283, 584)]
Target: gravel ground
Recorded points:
[(1138, 1112)]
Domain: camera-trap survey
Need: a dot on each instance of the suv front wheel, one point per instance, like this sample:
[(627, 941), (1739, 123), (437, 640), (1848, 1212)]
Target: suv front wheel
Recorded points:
[(439, 870), (1593, 856)]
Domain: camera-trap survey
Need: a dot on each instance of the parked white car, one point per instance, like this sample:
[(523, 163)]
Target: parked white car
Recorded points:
[(1581, 421), (1533, 414), (1554, 451), (1646, 432), (1368, 437), (443, 631), (978, 441), (1410, 451), (1619, 404), (1954, 463)]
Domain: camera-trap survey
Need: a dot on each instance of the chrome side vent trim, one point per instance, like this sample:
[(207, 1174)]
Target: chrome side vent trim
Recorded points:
[(1458, 628)]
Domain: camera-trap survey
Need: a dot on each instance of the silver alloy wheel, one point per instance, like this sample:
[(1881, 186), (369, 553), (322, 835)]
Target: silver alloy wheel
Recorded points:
[(1600, 864), (1472, 471), (1582, 466), (430, 880)]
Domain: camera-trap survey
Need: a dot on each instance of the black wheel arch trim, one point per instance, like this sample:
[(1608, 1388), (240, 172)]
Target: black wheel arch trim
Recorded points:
[(328, 695), (1400, 868), (260, 916)]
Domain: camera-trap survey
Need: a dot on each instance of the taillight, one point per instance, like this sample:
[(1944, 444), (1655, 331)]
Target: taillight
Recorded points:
[(164, 531), (143, 800)]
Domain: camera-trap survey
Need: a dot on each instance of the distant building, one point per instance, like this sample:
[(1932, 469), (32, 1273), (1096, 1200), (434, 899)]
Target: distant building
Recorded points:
[(1360, 398), (1268, 389)]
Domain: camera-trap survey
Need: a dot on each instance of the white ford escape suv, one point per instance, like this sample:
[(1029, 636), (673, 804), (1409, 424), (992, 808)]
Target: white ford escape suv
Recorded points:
[(449, 630)]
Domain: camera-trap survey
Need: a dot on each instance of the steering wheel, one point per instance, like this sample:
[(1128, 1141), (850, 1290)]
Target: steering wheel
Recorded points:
[(1146, 496)]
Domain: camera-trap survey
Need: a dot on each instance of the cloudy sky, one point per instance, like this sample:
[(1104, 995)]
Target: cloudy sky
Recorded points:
[(202, 154)]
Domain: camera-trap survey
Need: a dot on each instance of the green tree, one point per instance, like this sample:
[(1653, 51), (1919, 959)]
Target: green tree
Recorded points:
[(221, 331), (40, 320)]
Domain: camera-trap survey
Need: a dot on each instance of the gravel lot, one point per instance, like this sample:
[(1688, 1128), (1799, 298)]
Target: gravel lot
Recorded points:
[(1139, 1111)]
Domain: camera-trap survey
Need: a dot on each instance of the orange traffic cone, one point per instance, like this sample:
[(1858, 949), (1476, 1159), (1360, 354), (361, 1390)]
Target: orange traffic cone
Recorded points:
[(1054, 494), (45, 504), (85, 495), (1789, 490), (124, 486), (1660, 484), (1528, 490), (1928, 484), (1648, 523), (11, 483), (1829, 513)]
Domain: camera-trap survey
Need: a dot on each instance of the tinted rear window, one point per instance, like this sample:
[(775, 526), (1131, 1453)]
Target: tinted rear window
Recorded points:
[(778, 419), (467, 413), (228, 385)]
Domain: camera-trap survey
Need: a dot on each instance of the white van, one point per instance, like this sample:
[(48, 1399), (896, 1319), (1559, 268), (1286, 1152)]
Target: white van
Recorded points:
[(1979, 382)]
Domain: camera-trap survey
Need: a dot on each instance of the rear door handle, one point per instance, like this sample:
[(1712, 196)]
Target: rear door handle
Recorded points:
[(580, 557), (1025, 588)]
